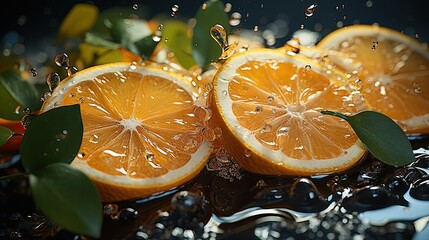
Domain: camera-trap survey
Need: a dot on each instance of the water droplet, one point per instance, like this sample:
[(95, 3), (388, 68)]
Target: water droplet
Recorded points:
[(368, 3), (93, 138), (157, 37), (305, 197), (135, 6), (228, 7), (26, 110), (247, 153), (307, 67), (270, 99), (222, 155), (374, 45), (53, 79), (150, 157), (292, 46), (420, 189), (204, 6), (203, 113), (218, 33), (396, 185), (310, 10), (26, 119), (235, 19), (224, 93), (45, 96), (418, 90), (174, 10), (255, 28), (62, 60), (258, 109), (128, 214), (283, 131), (160, 26), (81, 155), (185, 202), (33, 72), (209, 134), (266, 128)]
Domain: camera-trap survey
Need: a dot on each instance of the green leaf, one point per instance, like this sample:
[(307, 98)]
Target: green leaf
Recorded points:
[(68, 198), (127, 32), (79, 19), (96, 40), (53, 136), (381, 135), (146, 46), (109, 16), (14, 92), (205, 49), (177, 38), (5, 134)]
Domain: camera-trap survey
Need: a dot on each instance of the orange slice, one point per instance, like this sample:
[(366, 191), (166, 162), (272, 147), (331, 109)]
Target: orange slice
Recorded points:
[(140, 133), (393, 69), (268, 105)]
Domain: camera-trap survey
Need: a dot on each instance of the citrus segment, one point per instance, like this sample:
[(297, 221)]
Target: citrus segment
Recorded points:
[(269, 104), (393, 69), (140, 133)]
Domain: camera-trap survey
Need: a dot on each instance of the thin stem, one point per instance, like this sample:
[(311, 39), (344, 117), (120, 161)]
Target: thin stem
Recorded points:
[(336, 114), (23, 174)]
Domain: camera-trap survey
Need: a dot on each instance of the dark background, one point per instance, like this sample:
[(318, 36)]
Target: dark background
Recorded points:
[(32, 21)]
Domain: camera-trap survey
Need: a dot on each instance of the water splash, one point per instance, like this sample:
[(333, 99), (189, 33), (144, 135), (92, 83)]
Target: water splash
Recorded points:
[(218, 33)]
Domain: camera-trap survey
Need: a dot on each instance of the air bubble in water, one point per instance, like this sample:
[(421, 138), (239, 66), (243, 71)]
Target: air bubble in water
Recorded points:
[(310, 10), (53, 79)]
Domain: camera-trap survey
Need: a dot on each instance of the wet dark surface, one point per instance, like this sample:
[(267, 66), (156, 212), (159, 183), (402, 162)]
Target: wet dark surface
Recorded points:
[(229, 203)]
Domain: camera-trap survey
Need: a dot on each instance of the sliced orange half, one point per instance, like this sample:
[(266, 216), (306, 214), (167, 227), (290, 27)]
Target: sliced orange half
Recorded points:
[(268, 104), (393, 69), (140, 134)]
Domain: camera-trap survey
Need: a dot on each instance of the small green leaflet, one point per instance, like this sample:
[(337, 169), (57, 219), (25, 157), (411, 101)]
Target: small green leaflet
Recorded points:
[(68, 198), (78, 20), (5, 134), (53, 136), (204, 47), (15, 94), (381, 135)]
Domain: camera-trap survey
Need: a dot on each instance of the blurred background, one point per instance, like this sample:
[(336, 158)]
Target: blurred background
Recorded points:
[(32, 24)]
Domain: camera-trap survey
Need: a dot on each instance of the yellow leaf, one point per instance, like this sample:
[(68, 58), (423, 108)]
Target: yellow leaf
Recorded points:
[(78, 20)]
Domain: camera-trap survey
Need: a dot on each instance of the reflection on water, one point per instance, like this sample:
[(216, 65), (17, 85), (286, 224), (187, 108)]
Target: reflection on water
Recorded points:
[(370, 201)]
